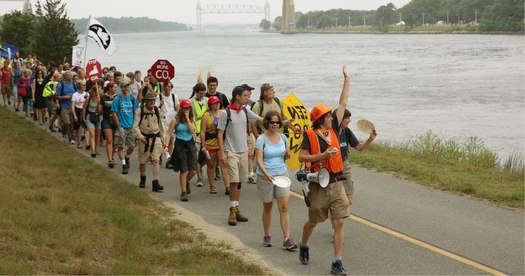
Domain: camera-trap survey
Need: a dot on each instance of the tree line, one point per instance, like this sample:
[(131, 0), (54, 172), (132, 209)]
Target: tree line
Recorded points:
[(48, 33), (132, 25), (491, 15)]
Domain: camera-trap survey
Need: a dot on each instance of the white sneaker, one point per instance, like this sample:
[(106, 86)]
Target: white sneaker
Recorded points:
[(72, 142), (251, 178), (199, 183)]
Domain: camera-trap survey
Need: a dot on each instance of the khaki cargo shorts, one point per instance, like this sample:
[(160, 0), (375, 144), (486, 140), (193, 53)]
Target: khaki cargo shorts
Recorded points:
[(348, 183), (237, 166), (128, 139), (330, 199), (154, 155)]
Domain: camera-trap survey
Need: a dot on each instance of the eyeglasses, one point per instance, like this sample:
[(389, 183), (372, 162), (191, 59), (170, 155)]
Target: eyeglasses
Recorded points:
[(275, 122)]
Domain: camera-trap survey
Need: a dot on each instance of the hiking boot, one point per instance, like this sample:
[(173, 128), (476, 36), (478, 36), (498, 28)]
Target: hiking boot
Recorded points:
[(232, 218), (125, 169), (188, 188), (227, 191), (288, 244), (183, 196), (127, 161), (337, 268), (155, 186), (239, 216), (199, 183), (304, 255), (267, 241), (142, 183)]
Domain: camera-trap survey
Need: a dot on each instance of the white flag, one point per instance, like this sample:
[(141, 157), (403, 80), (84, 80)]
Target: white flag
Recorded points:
[(101, 36), (77, 55)]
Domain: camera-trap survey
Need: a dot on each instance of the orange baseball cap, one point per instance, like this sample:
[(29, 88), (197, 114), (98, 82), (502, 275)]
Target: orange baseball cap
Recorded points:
[(318, 111)]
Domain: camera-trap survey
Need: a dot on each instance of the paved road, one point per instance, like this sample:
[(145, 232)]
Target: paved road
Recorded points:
[(397, 227)]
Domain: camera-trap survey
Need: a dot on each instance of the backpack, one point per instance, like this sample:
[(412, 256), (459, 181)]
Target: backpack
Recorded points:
[(228, 119), (261, 107), (142, 114)]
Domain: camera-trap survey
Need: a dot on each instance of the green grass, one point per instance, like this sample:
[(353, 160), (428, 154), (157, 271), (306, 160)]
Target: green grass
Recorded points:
[(464, 168), (62, 213)]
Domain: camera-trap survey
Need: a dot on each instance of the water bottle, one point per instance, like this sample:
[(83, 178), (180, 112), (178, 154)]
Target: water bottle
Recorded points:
[(208, 155)]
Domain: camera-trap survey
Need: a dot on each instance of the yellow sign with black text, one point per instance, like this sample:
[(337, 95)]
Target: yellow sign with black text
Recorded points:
[(294, 109)]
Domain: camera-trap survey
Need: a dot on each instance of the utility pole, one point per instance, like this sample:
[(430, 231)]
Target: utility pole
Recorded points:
[(364, 21), (349, 21), (400, 17), (447, 17), (476, 16), (458, 18), (308, 23), (423, 19), (336, 22)]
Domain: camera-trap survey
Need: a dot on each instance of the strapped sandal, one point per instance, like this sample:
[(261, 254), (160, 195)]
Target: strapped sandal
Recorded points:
[(213, 190)]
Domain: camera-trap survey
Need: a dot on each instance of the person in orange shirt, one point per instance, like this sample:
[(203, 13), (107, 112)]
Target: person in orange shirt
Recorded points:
[(321, 149)]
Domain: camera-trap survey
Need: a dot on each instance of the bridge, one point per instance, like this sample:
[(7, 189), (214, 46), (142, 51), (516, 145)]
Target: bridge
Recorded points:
[(287, 21)]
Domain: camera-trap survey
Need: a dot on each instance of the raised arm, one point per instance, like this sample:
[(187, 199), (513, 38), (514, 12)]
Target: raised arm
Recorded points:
[(343, 99)]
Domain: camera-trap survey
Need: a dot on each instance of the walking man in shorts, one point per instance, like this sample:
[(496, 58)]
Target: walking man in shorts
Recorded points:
[(233, 148), (123, 112), (148, 127)]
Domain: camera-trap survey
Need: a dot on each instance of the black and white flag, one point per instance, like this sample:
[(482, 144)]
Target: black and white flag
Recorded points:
[(101, 36)]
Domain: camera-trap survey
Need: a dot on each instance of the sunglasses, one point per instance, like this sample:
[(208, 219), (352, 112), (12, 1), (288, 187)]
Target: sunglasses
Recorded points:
[(275, 122)]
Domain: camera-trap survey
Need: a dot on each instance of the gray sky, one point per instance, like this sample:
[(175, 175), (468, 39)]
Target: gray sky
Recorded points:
[(184, 11)]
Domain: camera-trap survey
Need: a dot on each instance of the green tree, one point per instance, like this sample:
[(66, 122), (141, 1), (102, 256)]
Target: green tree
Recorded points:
[(265, 24), (54, 34), (325, 22), (16, 29), (277, 23), (505, 15), (386, 15)]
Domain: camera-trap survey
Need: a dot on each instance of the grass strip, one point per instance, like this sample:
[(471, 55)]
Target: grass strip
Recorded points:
[(62, 213), (468, 168)]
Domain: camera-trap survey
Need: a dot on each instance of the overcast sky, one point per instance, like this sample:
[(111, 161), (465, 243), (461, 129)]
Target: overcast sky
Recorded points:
[(184, 11)]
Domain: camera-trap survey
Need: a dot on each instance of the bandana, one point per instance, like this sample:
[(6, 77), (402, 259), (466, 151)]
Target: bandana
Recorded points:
[(238, 109)]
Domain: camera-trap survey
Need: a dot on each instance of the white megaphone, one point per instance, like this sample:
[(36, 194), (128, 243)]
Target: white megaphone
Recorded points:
[(322, 177)]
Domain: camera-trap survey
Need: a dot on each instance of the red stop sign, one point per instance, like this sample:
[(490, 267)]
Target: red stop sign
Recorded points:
[(163, 70), (93, 70)]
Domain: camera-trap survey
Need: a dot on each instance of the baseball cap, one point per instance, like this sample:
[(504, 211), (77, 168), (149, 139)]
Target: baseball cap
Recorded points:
[(124, 83), (213, 100), (150, 96), (265, 86), (318, 111), (185, 103), (247, 87)]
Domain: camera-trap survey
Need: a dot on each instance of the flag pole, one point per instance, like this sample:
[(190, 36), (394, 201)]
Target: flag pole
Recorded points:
[(86, 46)]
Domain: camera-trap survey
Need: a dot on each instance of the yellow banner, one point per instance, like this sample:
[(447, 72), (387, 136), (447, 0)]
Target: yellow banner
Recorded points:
[(294, 109)]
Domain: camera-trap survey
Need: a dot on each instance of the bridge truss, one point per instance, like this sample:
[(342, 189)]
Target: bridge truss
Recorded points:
[(231, 9)]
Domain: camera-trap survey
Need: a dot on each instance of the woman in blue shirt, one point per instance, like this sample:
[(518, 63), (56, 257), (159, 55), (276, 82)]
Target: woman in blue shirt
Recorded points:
[(271, 150), (184, 156)]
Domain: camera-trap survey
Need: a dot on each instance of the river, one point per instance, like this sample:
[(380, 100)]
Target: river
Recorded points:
[(455, 85)]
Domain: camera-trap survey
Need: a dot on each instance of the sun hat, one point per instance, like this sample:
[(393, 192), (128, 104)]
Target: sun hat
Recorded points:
[(213, 100), (185, 103), (318, 111), (150, 96)]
